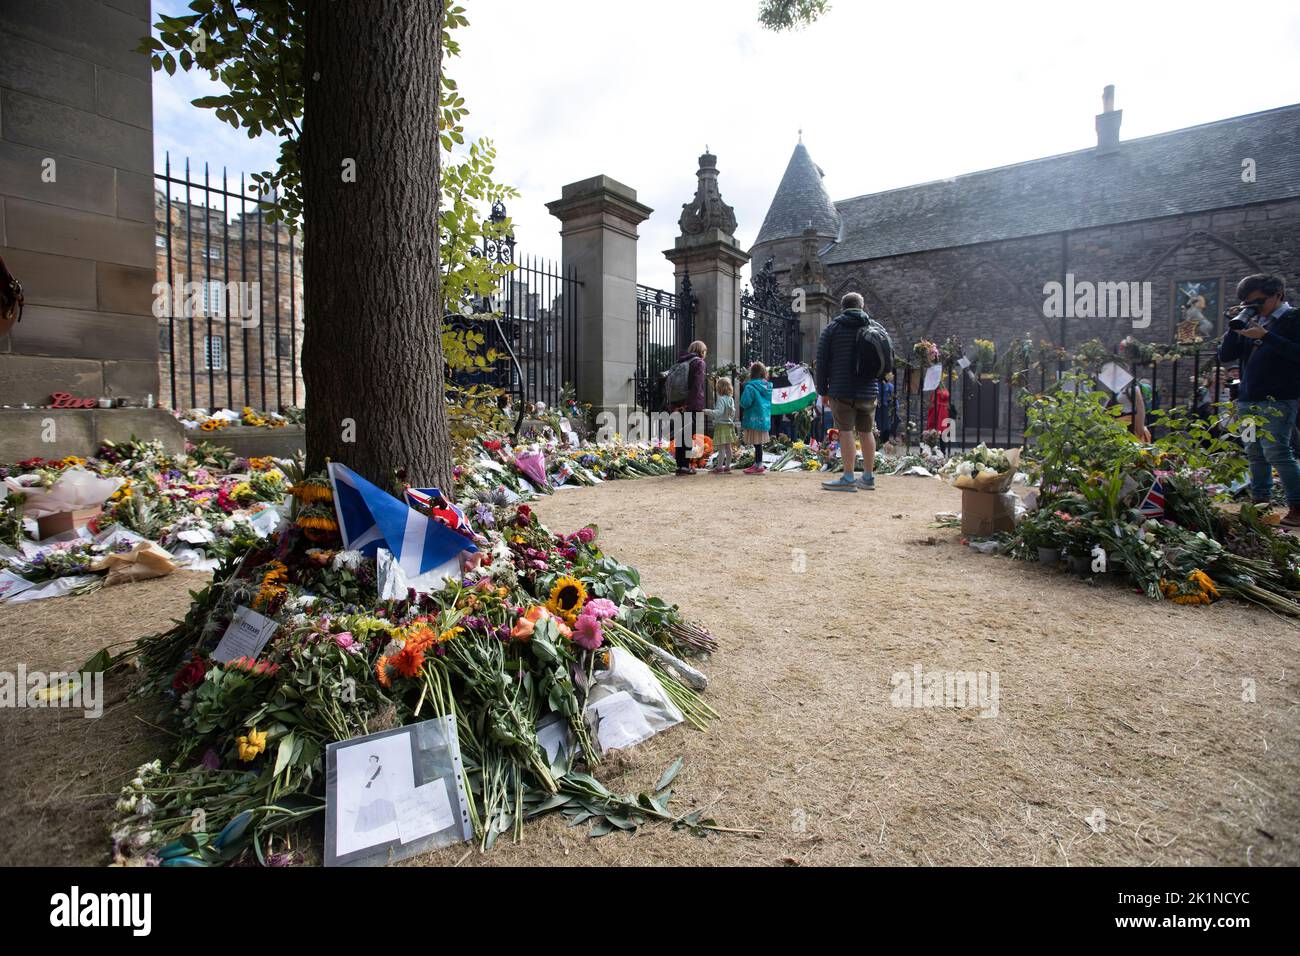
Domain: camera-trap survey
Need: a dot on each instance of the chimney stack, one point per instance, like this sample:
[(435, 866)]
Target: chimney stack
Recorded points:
[(1108, 121)]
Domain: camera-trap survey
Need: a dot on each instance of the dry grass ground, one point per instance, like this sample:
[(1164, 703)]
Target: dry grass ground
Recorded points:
[(1107, 700)]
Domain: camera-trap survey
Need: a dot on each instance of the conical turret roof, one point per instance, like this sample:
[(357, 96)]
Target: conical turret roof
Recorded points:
[(800, 200)]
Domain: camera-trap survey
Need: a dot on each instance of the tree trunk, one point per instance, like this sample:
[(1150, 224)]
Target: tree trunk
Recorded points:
[(372, 350)]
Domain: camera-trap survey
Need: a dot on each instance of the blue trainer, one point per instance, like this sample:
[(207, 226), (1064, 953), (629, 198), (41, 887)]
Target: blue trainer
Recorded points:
[(842, 483), (868, 481)]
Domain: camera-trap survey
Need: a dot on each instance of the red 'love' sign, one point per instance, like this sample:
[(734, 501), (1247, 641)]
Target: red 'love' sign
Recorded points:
[(65, 400)]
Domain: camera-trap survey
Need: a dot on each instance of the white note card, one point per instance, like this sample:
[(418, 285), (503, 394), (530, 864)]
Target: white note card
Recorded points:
[(424, 810), (245, 637)]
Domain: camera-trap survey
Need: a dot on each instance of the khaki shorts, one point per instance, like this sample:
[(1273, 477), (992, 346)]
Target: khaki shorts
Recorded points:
[(854, 415)]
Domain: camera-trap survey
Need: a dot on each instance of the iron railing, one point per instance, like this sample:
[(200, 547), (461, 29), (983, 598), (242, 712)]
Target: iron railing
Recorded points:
[(229, 298), (665, 327)]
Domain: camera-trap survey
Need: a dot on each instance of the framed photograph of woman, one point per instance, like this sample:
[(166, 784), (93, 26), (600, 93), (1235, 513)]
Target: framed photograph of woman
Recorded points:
[(394, 794)]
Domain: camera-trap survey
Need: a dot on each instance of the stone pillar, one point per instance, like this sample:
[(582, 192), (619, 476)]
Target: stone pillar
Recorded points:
[(707, 251), (819, 308), (598, 219), (808, 283)]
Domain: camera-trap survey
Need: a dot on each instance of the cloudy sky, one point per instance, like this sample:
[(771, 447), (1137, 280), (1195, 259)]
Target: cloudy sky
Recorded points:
[(886, 94)]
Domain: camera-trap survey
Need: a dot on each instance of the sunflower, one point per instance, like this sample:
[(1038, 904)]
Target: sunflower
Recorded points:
[(316, 488), (1199, 588), (567, 598), (318, 518)]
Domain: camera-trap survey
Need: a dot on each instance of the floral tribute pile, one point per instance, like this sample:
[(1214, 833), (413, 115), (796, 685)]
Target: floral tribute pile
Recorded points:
[(202, 506), (1158, 514), (521, 636)]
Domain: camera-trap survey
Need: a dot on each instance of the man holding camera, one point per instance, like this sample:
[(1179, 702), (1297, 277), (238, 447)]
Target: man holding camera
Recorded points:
[(1264, 337)]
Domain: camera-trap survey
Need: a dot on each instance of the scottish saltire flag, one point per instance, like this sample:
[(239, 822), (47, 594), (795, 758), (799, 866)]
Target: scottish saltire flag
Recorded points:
[(370, 518), (439, 507), (1153, 505), (800, 393)]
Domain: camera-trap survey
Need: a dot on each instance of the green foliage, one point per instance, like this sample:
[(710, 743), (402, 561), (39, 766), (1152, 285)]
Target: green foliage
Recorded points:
[(779, 15), (1075, 436)]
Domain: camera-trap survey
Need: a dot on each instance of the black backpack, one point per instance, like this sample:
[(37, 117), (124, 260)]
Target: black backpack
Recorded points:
[(677, 382), (873, 353)]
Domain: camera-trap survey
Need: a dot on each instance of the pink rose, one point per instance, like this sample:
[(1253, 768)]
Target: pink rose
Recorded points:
[(344, 640), (586, 535)]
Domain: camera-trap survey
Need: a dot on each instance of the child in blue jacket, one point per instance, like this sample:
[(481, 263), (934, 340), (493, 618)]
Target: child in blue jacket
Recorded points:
[(756, 414)]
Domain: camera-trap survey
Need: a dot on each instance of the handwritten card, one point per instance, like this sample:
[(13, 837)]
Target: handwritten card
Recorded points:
[(424, 810)]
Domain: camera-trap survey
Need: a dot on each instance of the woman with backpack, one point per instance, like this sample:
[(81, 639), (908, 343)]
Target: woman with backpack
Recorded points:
[(684, 391)]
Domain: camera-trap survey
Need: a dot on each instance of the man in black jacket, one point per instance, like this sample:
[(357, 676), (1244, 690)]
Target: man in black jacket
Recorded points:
[(852, 399), (1268, 349)]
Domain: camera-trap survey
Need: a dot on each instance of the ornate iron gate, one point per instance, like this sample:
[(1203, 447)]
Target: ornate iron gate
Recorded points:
[(536, 305), (665, 326), (769, 329)]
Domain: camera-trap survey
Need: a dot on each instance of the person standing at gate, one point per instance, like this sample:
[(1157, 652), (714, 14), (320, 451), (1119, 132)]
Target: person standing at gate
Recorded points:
[(684, 391), (724, 426), (756, 414), (852, 353)]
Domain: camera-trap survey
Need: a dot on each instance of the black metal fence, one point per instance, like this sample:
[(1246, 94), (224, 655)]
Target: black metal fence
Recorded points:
[(228, 296), (665, 326), (968, 408), (536, 312)]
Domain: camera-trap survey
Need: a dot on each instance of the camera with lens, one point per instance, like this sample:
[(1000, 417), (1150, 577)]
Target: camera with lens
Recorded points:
[(1239, 316)]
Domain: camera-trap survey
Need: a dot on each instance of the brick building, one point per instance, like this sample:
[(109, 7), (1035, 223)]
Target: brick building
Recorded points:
[(1190, 212), (234, 337)]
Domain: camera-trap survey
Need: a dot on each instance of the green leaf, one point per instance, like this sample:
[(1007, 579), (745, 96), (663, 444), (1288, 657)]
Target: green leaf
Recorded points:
[(603, 828), (283, 754), (669, 774)]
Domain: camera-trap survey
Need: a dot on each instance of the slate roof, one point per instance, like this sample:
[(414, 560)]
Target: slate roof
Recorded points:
[(1184, 171), (799, 199)]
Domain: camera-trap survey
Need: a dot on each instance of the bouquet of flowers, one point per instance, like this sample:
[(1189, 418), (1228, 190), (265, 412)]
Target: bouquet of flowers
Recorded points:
[(982, 468), (926, 352)]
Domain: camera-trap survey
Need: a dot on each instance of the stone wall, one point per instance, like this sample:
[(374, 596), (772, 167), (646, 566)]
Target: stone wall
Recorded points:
[(995, 290), (77, 231)]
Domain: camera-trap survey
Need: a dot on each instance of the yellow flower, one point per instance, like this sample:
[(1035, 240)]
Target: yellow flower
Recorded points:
[(251, 745), (798, 446), (567, 598)]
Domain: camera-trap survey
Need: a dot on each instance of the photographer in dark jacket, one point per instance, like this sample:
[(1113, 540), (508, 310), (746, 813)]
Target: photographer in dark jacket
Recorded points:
[(852, 399), (1265, 337)]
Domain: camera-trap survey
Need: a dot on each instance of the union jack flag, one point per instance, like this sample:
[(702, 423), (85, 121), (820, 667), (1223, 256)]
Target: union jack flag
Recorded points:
[(1153, 505), (438, 507)]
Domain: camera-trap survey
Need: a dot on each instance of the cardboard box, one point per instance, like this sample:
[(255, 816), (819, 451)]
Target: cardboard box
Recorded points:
[(62, 521), (984, 514)]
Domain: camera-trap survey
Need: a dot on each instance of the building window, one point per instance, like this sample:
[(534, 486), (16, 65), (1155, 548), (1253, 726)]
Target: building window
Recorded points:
[(213, 353), (160, 240), (214, 252), (214, 297), (283, 346), (164, 339)]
